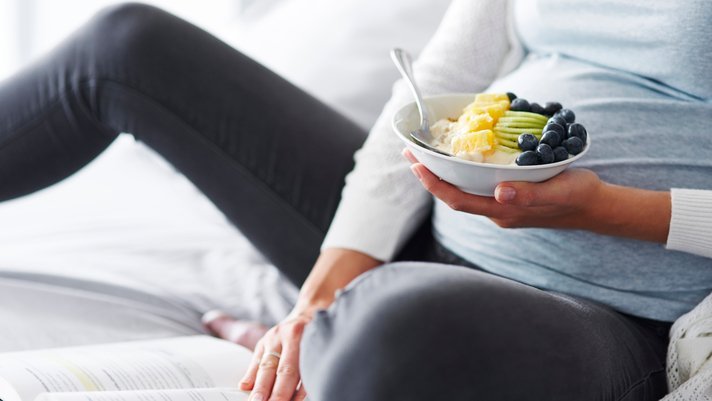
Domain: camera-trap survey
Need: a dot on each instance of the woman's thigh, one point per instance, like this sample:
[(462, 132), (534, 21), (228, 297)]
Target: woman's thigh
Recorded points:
[(415, 331), (271, 157)]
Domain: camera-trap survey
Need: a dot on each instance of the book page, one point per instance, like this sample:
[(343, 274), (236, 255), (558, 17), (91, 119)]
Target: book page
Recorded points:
[(150, 395), (178, 363)]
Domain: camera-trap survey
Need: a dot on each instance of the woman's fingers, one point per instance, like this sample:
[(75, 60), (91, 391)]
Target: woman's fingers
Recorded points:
[(273, 373), (248, 381), (287, 374), (288, 378), (266, 373), (409, 155), (455, 198), (301, 394), (448, 193)]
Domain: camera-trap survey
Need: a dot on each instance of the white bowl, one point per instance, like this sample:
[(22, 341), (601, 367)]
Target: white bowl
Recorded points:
[(472, 177)]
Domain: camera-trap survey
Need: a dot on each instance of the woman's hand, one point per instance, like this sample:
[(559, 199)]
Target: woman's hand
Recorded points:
[(274, 371), (574, 199), (564, 201)]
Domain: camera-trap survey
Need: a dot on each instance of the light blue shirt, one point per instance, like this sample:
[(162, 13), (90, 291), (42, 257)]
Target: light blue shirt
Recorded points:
[(638, 75)]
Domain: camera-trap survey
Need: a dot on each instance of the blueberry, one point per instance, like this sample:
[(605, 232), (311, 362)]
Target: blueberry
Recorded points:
[(557, 119), (511, 96), (556, 128), (551, 138), (536, 108), (578, 131), (560, 153), (545, 154), (550, 108), (573, 145), (528, 158), (527, 141), (519, 104), (567, 115)]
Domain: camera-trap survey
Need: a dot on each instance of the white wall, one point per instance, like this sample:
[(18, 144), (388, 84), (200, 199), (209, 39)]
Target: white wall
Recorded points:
[(28, 28)]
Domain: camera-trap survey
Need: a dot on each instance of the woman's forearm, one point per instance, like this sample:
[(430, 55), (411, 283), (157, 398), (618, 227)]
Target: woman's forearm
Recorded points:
[(632, 213), (334, 269)]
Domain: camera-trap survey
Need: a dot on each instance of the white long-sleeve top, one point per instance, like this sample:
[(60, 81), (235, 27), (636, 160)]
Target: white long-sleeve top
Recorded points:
[(383, 203)]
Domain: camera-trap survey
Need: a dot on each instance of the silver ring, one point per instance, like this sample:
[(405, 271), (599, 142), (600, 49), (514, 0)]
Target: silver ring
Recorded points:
[(274, 354)]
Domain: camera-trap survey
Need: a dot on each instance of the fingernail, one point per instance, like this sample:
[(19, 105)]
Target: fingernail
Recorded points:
[(506, 193), (257, 397), (416, 172)]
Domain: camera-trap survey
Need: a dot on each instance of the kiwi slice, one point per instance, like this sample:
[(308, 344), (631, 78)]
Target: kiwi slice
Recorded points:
[(511, 137), (507, 149), (507, 130), (508, 143), (526, 114), (519, 125), (521, 120)]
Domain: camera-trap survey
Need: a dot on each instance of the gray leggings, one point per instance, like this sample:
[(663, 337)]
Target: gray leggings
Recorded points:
[(273, 159)]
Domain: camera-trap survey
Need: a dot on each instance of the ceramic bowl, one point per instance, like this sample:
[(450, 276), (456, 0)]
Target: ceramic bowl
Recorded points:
[(472, 177)]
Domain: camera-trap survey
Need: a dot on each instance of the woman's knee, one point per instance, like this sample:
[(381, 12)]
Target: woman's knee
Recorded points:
[(395, 334), (413, 331), (129, 32)]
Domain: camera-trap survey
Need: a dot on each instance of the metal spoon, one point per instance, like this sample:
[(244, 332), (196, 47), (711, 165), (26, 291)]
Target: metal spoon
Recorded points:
[(422, 135)]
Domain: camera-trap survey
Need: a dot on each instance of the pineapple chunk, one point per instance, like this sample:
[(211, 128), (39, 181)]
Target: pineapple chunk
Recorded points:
[(494, 104), (475, 121), (473, 142), (495, 110), (486, 98)]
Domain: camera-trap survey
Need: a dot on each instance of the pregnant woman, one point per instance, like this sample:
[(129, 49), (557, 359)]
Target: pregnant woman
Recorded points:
[(563, 290)]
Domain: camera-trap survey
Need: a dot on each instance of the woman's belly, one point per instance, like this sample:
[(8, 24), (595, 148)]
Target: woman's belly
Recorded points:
[(643, 135)]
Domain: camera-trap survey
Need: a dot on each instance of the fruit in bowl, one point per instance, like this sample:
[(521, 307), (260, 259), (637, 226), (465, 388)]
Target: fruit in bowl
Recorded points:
[(495, 138)]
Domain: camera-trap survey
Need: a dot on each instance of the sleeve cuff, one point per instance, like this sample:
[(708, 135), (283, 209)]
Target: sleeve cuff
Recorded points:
[(370, 226), (691, 222)]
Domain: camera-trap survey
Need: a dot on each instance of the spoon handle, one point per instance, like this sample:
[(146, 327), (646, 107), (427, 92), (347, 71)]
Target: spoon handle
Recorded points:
[(405, 66)]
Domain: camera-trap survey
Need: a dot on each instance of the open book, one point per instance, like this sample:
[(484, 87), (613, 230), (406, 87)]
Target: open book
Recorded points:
[(198, 368)]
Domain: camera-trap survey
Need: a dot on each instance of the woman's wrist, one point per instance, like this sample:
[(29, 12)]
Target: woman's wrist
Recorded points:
[(306, 307), (333, 270), (631, 212)]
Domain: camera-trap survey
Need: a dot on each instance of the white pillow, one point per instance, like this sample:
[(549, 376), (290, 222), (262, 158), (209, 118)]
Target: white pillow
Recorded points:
[(337, 50)]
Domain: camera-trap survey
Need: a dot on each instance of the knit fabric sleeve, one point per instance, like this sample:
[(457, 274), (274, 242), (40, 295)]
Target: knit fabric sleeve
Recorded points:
[(691, 222), (383, 203)]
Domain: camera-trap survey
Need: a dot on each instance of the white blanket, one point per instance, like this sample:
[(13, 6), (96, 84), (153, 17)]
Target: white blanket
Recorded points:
[(689, 359)]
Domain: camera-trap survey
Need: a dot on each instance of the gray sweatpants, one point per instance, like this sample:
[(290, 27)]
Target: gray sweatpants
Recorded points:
[(425, 331)]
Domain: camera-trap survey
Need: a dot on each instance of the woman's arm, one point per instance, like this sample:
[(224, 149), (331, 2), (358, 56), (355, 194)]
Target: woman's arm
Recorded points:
[(574, 199)]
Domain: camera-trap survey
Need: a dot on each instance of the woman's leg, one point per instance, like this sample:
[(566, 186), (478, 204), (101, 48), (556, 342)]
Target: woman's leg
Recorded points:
[(415, 331), (271, 157)]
